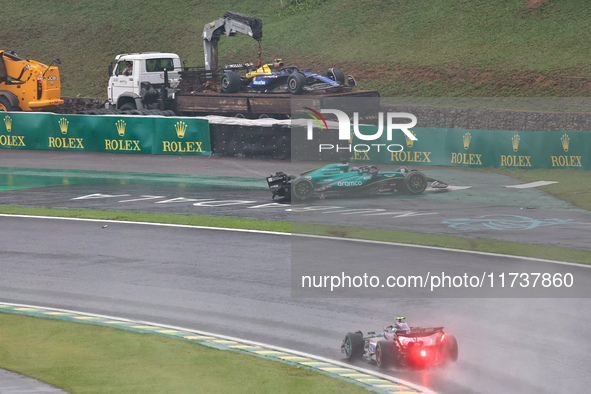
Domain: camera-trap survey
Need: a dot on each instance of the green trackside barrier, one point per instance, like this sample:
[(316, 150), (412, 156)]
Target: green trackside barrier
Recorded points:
[(105, 133), (477, 148)]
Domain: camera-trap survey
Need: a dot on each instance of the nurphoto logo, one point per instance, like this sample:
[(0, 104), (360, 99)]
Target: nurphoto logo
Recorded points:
[(345, 128)]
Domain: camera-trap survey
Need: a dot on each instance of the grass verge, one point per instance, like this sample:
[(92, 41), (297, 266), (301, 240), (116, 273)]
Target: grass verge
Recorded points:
[(406, 47), (92, 359), (501, 247), (188, 220)]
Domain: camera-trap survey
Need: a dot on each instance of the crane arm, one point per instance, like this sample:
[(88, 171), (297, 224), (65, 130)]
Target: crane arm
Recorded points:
[(231, 24)]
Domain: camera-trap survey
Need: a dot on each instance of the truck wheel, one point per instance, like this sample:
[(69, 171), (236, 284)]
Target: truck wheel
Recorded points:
[(336, 75), (384, 354), (353, 345), (415, 183), (231, 82), (6, 106), (302, 189), (127, 107), (296, 82)]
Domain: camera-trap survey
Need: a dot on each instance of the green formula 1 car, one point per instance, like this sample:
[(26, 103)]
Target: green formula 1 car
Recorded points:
[(342, 179)]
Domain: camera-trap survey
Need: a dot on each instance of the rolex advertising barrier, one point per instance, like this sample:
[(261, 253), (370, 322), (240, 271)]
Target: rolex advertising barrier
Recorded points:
[(273, 139), (476, 148), (123, 134)]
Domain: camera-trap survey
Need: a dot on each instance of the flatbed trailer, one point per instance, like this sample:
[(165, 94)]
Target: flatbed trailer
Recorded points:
[(256, 105)]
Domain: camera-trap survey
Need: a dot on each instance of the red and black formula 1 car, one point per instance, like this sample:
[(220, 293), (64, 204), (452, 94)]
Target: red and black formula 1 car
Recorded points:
[(401, 345)]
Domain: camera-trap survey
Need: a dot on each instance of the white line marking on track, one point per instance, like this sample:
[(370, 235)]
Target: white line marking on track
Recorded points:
[(530, 185), (452, 188), (368, 241)]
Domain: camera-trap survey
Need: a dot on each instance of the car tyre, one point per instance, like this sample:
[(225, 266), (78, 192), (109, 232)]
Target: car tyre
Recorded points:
[(353, 345), (302, 189), (296, 82), (336, 75), (415, 183), (384, 354), (231, 82), (450, 347)]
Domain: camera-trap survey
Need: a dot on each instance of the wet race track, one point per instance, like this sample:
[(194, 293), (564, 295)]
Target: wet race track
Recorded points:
[(535, 220), (242, 284)]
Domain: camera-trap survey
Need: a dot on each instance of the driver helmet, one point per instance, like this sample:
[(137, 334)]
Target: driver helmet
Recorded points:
[(400, 326), (278, 63)]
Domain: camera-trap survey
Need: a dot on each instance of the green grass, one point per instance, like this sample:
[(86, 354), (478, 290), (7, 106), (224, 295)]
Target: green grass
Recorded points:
[(92, 359), (404, 47), (189, 220), (500, 247), (535, 104)]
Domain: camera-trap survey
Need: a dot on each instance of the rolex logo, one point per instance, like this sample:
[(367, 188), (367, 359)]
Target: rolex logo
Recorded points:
[(467, 138), (515, 142), (181, 128), (565, 141), (120, 127), (409, 142), (8, 123), (63, 122)]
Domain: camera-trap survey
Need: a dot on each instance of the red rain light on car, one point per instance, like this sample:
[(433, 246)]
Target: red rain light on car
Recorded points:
[(423, 353)]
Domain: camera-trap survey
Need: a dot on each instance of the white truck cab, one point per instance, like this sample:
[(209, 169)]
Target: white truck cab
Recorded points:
[(136, 80)]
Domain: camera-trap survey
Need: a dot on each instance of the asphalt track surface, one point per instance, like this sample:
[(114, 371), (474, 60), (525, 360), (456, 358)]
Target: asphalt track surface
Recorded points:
[(14, 383), (238, 284), (183, 185)]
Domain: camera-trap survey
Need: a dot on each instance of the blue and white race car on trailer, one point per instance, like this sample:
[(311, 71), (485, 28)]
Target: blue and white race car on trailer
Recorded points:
[(274, 77)]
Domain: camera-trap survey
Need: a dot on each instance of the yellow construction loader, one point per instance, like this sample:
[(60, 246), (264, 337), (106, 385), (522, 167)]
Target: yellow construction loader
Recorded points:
[(27, 85)]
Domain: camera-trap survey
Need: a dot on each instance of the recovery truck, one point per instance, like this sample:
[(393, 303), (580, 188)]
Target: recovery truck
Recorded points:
[(143, 82), (28, 85)]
